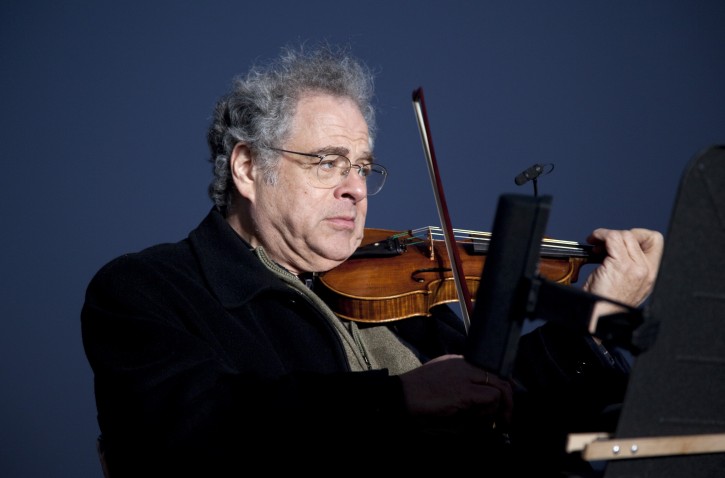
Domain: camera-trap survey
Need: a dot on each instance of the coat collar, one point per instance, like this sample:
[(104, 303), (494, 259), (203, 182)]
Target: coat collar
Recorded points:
[(233, 272)]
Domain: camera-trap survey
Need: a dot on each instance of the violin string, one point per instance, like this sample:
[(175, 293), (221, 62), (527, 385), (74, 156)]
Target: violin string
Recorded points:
[(549, 246)]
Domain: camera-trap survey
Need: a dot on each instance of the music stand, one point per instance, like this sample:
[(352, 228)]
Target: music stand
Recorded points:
[(672, 421), (501, 299)]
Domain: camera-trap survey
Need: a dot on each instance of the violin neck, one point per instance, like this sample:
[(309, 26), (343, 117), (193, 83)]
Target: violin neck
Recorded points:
[(480, 241)]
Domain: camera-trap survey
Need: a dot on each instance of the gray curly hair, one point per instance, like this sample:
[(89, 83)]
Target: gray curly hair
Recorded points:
[(259, 108)]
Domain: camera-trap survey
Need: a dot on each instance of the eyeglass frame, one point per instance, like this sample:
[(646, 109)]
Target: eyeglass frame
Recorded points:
[(380, 169)]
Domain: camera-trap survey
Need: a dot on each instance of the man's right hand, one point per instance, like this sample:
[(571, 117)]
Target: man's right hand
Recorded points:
[(448, 385)]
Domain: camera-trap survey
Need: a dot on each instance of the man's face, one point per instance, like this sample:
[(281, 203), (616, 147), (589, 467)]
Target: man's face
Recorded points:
[(305, 227)]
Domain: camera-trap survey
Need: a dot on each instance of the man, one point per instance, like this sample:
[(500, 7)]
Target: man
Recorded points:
[(212, 354)]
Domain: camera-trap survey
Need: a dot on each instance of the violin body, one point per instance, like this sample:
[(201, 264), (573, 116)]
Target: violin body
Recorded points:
[(412, 273)]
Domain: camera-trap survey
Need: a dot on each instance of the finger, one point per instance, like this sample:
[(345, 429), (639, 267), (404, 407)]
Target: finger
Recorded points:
[(623, 249), (646, 240), (632, 246), (503, 390), (483, 377), (482, 397), (495, 403), (651, 243)]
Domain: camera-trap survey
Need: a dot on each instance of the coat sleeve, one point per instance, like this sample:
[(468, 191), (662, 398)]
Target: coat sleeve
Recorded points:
[(564, 382), (170, 403), (563, 371)]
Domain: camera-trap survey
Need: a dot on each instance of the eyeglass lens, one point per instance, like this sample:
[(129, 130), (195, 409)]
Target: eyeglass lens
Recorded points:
[(332, 169)]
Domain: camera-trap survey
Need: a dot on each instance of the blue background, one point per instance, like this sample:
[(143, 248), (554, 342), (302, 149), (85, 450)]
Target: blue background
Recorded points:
[(104, 108)]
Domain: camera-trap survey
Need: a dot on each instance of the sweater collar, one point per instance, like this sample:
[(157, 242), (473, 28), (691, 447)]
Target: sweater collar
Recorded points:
[(233, 272)]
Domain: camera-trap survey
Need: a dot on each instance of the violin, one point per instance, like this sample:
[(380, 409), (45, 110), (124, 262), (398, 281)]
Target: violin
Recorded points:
[(397, 275)]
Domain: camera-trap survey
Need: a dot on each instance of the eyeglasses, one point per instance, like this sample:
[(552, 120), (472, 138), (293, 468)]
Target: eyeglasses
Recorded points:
[(333, 168)]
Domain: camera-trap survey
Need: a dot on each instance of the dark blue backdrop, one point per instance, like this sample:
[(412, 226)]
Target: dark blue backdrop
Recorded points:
[(104, 107)]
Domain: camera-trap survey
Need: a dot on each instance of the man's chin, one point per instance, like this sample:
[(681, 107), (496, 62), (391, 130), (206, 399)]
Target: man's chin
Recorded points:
[(332, 260)]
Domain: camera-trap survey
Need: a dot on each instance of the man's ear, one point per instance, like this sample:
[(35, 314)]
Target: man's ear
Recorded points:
[(243, 172)]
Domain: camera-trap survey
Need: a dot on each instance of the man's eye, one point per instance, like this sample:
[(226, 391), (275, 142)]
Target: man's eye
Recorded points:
[(327, 165), (365, 169)]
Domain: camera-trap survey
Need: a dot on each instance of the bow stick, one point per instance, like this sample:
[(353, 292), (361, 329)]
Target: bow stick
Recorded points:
[(464, 296)]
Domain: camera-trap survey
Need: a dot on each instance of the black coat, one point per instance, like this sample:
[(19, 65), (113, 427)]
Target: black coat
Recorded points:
[(205, 362)]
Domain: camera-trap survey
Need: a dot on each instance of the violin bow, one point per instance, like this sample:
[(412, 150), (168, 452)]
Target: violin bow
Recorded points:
[(464, 295)]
